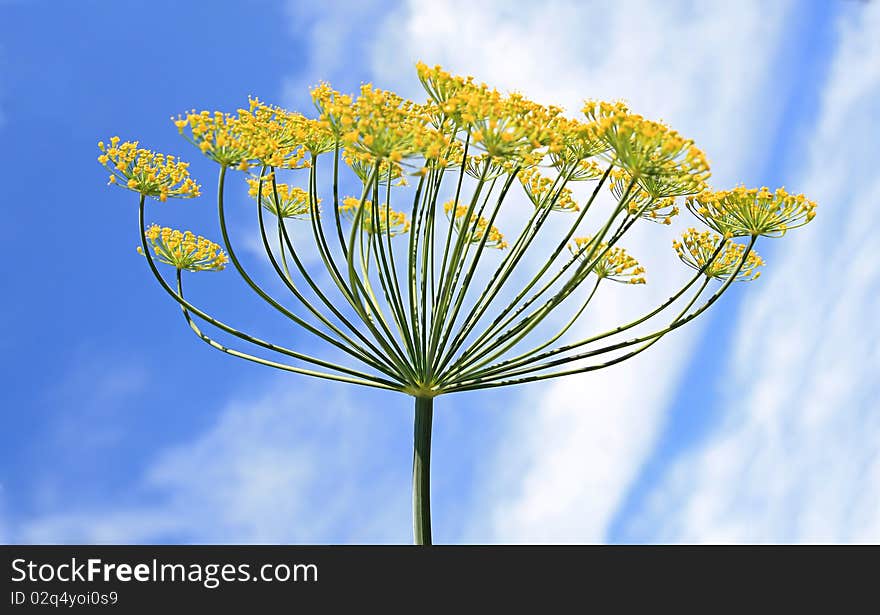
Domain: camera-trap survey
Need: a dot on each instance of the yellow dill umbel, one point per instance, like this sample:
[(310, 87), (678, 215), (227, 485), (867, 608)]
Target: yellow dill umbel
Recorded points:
[(613, 263), (152, 174), (184, 250), (695, 249)]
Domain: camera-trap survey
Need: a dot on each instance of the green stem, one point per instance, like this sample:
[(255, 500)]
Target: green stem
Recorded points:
[(679, 320), (422, 470)]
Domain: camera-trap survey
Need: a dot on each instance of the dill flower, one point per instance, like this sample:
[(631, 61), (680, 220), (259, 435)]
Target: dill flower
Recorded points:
[(334, 109), (615, 264), (677, 180), (145, 171), (503, 126), (579, 141), (316, 136), (750, 211), (441, 85), (389, 221), (292, 201), (477, 226), (697, 247), (184, 250), (274, 136), (540, 191), (660, 210), (476, 167), (362, 163), (582, 170), (442, 152), (387, 125), (649, 149), (220, 136)]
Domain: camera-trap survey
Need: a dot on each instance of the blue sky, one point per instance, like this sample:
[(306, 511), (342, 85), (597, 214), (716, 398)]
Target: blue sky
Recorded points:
[(118, 425)]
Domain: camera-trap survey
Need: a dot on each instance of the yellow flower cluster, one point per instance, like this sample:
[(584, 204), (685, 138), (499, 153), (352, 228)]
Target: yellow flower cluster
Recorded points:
[(477, 226), (670, 164), (751, 211), (443, 152), (379, 131), (261, 134), (218, 135), (581, 170), (510, 131), (615, 264), (389, 126), (384, 220), (508, 126), (476, 167), (540, 191), (660, 210), (185, 250), (147, 172), (291, 201), (335, 109), (580, 141), (315, 136), (363, 164), (274, 136), (441, 85), (697, 247)]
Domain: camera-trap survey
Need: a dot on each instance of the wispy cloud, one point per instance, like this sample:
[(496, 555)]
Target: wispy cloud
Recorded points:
[(335, 38), (101, 381), (796, 457), (292, 464)]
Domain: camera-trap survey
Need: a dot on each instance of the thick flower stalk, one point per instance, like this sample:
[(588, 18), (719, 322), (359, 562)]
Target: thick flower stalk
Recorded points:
[(424, 285)]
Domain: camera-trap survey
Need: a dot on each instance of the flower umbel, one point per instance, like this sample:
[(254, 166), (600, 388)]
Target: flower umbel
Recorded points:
[(476, 228), (218, 135), (661, 210), (185, 250), (439, 84), (541, 191), (383, 220), (504, 126), (363, 164), (476, 167), (145, 171), (615, 264), (695, 249), (666, 162), (291, 201), (579, 142), (752, 211), (387, 125), (273, 136)]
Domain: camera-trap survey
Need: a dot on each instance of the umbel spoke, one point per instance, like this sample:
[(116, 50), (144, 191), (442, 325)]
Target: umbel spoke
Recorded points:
[(408, 282)]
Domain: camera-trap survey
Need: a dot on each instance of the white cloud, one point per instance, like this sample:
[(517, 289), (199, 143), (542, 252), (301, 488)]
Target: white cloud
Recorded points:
[(796, 458), (579, 442), (297, 463), (337, 36)]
